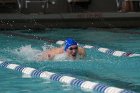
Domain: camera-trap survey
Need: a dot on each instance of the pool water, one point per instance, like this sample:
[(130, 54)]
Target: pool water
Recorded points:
[(122, 72)]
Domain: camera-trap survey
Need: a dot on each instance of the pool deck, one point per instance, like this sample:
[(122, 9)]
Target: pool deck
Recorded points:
[(70, 20)]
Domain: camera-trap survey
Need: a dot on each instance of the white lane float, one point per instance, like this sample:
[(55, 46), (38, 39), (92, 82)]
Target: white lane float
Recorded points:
[(86, 85)]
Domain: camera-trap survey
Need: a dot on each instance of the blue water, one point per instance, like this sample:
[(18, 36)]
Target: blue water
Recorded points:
[(122, 72)]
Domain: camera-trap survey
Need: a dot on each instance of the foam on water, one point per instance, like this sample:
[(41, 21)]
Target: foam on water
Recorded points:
[(32, 54), (27, 52)]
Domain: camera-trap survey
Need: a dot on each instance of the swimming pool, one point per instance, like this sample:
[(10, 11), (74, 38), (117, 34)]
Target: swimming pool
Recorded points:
[(122, 72)]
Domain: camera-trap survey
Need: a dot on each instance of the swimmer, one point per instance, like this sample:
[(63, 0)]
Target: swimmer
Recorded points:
[(71, 50)]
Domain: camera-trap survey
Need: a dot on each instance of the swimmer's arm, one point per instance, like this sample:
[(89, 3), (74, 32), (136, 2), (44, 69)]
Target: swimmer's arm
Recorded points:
[(82, 52)]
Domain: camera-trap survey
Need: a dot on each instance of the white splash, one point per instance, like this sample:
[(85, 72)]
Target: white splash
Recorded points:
[(31, 54), (27, 52)]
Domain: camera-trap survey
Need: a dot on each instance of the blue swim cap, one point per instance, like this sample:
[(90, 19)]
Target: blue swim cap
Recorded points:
[(69, 42)]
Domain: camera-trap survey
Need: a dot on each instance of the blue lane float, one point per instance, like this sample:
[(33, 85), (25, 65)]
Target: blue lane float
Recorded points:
[(106, 50), (88, 85)]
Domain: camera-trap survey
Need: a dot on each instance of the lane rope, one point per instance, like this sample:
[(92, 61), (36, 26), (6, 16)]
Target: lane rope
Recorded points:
[(100, 49), (107, 50), (93, 86)]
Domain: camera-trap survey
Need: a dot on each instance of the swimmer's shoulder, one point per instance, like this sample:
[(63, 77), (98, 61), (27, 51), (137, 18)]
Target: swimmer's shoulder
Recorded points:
[(50, 54), (54, 50), (81, 51), (57, 50)]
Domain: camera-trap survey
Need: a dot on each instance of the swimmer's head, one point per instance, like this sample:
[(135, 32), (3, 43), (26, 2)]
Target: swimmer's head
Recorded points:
[(69, 42)]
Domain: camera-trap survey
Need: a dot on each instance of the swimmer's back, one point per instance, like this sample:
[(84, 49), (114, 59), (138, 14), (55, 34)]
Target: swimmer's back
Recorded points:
[(50, 54), (55, 51)]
